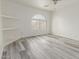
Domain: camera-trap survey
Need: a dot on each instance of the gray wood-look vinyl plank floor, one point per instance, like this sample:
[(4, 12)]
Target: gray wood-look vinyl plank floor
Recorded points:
[(43, 47)]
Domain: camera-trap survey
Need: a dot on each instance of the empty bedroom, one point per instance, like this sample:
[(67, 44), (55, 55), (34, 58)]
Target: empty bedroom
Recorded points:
[(39, 29)]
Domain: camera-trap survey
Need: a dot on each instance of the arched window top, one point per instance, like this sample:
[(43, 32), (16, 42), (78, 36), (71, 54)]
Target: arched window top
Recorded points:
[(38, 17)]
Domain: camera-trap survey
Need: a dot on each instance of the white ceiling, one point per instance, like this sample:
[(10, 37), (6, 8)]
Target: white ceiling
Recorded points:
[(66, 3), (42, 3)]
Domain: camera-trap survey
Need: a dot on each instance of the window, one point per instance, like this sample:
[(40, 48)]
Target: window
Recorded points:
[(39, 24)]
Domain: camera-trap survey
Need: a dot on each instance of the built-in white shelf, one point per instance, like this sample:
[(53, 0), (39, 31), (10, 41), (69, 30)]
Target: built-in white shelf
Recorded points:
[(5, 16), (5, 29)]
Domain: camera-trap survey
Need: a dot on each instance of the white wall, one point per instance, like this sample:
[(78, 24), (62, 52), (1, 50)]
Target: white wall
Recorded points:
[(1, 37), (23, 16), (66, 21)]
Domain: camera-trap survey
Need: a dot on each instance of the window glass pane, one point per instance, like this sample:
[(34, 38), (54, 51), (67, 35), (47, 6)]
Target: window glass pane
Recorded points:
[(39, 24)]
